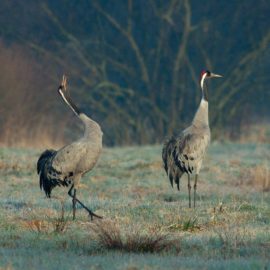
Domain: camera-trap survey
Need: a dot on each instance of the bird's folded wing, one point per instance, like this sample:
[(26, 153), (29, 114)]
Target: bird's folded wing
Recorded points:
[(68, 158), (189, 151), (172, 170)]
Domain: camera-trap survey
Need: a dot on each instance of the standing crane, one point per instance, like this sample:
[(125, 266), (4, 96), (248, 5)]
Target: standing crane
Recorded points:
[(66, 166), (184, 153)]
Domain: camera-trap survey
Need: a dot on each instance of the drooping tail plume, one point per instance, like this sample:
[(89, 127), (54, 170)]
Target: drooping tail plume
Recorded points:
[(48, 177), (170, 166)]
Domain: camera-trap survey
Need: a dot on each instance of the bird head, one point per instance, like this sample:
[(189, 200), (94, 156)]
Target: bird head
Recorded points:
[(206, 74), (62, 90)]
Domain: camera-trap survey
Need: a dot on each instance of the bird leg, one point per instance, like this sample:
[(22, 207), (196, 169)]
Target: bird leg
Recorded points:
[(73, 200), (91, 213), (189, 189), (74, 204), (195, 188)]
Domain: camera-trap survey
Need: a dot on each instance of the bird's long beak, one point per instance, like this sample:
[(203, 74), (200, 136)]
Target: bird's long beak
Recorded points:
[(213, 75)]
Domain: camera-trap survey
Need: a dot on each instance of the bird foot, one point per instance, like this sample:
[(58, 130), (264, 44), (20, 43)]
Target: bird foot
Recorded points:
[(92, 215)]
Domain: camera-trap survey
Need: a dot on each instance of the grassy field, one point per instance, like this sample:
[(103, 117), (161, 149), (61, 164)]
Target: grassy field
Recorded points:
[(146, 225)]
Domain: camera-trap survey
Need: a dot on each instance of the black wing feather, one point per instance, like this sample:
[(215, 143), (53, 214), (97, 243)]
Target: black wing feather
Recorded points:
[(170, 162), (182, 160), (48, 176)]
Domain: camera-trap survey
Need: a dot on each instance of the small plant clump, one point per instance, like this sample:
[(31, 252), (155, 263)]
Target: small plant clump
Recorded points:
[(7, 267), (232, 240), (55, 225), (258, 176), (109, 236), (189, 224)]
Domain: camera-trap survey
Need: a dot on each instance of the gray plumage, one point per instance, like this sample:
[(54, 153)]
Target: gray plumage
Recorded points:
[(168, 154), (66, 166), (185, 153)]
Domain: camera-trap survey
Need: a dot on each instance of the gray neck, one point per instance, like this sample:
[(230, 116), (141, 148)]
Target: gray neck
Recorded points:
[(205, 92), (91, 128), (201, 117)]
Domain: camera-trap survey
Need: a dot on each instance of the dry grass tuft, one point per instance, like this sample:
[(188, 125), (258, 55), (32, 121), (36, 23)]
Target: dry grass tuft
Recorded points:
[(56, 225), (258, 176), (232, 240), (110, 237), (36, 225), (190, 224), (255, 133), (7, 267), (9, 166), (60, 223)]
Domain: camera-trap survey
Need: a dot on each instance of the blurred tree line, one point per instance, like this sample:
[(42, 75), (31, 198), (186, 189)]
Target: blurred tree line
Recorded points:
[(133, 66)]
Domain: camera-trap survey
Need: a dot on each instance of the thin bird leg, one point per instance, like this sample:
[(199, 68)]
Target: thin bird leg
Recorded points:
[(195, 188), (73, 200), (74, 204), (91, 213), (189, 189)]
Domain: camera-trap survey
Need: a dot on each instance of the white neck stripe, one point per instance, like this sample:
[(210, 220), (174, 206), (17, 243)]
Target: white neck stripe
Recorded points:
[(202, 80), (64, 98)]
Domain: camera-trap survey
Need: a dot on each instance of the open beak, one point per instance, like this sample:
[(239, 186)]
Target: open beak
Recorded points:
[(213, 75)]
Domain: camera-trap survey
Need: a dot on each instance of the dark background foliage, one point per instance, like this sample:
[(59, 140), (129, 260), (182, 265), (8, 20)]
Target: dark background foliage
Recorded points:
[(132, 65)]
